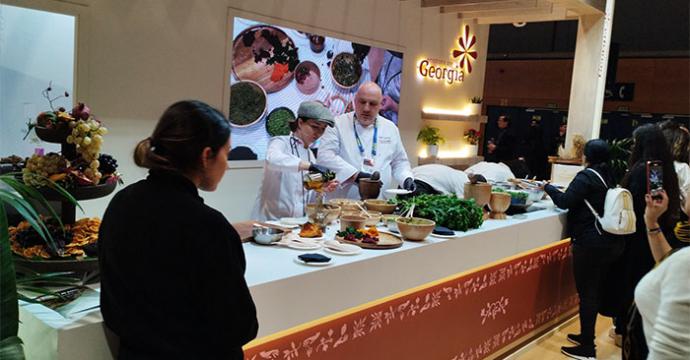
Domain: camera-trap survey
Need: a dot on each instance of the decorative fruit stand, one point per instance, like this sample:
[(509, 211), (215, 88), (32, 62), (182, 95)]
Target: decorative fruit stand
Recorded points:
[(78, 171)]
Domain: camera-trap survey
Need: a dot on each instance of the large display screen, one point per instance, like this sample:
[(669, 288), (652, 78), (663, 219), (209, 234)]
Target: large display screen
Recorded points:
[(275, 68)]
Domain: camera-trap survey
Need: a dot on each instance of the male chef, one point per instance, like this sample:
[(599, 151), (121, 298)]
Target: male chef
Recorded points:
[(362, 142)]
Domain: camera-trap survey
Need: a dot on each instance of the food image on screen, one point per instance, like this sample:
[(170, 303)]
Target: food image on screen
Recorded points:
[(346, 69), (290, 66), (277, 122), (247, 103)]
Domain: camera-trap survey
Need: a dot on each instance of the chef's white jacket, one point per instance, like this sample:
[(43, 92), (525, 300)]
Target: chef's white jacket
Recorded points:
[(494, 172), (282, 193), (442, 178), (339, 152)]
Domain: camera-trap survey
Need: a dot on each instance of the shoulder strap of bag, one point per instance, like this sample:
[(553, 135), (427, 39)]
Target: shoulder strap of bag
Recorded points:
[(591, 208), (599, 176)]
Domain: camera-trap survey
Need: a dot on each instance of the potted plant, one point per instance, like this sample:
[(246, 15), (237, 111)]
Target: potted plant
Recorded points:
[(431, 137), (472, 138), (476, 105), (23, 199)]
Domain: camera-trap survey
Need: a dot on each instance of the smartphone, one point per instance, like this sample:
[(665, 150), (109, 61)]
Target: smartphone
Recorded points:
[(655, 178)]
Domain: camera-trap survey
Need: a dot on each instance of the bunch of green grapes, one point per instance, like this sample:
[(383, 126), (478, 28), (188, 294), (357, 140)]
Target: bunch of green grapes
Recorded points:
[(87, 135), (40, 167)]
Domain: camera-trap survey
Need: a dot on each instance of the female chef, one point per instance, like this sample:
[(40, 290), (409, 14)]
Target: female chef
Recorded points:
[(288, 159)]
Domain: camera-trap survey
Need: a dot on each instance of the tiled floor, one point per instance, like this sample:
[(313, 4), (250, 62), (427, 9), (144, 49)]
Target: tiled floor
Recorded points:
[(549, 347)]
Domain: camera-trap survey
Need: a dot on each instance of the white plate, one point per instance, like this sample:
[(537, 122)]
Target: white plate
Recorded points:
[(398, 191), (303, 246), (342, 249), (299, 261), (278, 223), (293, 221), (444, 236), (314, 239)]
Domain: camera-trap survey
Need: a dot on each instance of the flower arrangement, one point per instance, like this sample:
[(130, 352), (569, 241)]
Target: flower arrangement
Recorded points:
[(472, 136)]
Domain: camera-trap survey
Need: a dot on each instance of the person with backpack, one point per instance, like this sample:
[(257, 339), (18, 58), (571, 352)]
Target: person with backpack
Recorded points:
[(593, 249)]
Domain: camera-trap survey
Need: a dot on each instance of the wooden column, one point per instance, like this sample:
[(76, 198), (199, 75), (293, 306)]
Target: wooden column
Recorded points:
[(589, 74)]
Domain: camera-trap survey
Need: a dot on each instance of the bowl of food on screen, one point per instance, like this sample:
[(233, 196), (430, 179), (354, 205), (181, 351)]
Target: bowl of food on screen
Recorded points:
[(247, 103), (346, 70)]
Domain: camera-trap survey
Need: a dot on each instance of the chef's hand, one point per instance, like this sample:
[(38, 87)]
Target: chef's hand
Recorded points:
[(409, 184), (318, 169), (331, 186), (362, 175), (491, 147)]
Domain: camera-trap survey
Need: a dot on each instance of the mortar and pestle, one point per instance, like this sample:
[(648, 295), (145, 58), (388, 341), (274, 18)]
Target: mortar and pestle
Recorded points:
[(369, 188)]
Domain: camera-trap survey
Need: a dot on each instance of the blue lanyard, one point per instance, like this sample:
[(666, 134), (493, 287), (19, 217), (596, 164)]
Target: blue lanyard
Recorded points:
[(359, 142)]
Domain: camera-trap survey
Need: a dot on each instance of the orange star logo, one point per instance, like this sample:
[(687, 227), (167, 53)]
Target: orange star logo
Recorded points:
[(466, 52)]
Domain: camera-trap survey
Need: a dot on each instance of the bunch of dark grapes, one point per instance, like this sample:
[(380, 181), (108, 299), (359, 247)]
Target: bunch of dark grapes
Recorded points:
[(108, 164), (30, 237)]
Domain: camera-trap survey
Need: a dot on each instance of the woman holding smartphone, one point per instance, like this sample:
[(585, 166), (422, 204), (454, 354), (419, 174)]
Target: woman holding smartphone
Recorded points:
[(650, 152)]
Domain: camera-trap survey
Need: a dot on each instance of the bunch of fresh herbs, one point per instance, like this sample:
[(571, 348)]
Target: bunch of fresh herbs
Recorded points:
[(446, 210)]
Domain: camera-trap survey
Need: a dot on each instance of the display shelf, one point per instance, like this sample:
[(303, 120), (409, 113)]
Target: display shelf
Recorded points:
[(454, 117)]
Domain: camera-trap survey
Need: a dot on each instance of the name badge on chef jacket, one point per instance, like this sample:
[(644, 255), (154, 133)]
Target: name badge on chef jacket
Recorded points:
[(367, 163), (385, 139)]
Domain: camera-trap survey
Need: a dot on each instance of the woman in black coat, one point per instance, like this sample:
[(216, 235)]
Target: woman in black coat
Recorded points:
[(593, 249), (637, 260), (172, 268)]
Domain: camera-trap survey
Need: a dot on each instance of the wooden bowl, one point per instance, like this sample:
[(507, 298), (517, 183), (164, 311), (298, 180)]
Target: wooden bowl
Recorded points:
[(379, 205), (57, 134), (346, 204), (481, 193), (416, 231), (332, 212), (355, 221), (372, 217), (499, 203), (369, 189)]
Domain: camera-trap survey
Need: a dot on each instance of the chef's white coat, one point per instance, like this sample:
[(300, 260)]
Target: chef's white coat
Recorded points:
[(442, 178), (494, 172), (282, 193), (339, 152)]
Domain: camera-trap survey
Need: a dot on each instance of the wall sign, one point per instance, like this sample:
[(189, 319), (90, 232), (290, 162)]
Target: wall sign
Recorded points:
[(460, 64), (619, 92)]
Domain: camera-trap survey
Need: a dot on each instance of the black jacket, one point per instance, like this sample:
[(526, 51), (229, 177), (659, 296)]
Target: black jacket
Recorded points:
[(581, 227), (172, 274)]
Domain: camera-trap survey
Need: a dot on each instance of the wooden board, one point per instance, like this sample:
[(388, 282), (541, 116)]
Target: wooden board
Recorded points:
[(386, 241), (244, 66), (244, 229)]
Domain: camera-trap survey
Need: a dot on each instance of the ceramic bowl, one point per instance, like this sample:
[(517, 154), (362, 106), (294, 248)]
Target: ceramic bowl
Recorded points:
[(266, 236), (379, 205), (355, 221), (332, 212), (414, 228)]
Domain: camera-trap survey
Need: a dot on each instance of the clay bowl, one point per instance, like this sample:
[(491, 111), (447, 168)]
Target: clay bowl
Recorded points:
[(369, 189), (414, 228), (481, 193), (379, 205), (372, 217), (499, 203), (332, 213), (355, 221), (346, 204)]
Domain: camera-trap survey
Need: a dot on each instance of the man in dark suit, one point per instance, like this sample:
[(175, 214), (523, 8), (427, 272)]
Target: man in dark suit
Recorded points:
[(501, 148)]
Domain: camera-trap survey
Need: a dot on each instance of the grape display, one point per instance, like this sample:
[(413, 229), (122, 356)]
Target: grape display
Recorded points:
[(87, 135), (108, 164), (40, 167)]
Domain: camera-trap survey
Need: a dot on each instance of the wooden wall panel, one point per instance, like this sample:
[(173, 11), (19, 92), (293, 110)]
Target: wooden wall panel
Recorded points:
[(661, 85)]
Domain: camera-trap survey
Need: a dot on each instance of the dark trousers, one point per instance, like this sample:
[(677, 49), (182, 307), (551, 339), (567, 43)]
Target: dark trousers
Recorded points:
[(590, 264)]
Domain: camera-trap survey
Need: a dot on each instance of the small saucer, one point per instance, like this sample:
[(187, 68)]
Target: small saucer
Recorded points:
[(300, 261), (443, 236)]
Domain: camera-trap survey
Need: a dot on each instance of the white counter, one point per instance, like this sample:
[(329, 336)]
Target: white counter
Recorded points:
[(287, 293)]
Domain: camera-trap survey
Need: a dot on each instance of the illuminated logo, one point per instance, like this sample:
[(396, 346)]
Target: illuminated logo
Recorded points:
[(454, 71), (467, 52)]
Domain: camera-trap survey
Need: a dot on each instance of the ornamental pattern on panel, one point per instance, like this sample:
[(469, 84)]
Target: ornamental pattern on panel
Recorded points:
[(416, 304)]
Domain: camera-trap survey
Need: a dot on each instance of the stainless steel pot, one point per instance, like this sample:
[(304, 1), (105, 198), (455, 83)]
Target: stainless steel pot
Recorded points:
[(266, 235)]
